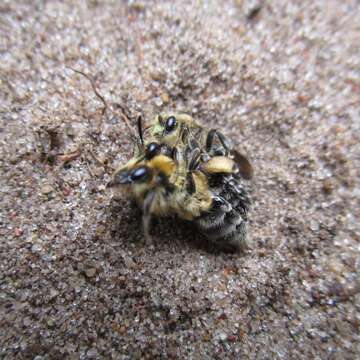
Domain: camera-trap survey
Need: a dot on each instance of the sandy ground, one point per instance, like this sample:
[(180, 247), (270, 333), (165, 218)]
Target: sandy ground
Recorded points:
[(282, 81)]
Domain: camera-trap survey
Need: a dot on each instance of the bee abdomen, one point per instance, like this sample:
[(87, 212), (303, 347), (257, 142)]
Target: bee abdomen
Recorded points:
[(225, 223), (211, 221)]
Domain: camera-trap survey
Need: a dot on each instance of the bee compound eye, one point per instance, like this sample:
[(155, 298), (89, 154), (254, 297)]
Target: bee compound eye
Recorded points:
[(152, 150), (122, 177), (139, 174), (170, 124)]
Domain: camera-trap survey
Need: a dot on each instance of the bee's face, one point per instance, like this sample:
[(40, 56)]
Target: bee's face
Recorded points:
[(135, 177), (167, 128), (142, 175), (139, 174)]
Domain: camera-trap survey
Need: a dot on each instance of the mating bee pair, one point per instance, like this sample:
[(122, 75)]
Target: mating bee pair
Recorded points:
[(181, 168)]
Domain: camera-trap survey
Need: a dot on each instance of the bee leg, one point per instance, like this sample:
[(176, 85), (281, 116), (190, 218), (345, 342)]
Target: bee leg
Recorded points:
[(197, 133), (147, 207), (193, 164), (175, 155), (190, 184), (194, 159), (210, 141), (224, 142), (184, 134)]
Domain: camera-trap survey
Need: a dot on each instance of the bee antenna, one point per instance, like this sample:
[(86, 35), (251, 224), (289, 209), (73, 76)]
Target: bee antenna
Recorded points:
[(124, 116), (140, 130), (92, 83), (101, 98)]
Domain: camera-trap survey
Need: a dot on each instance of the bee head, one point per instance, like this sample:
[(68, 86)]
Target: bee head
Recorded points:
[(142, 176), (137, 175), (167, 127), (152, 149)]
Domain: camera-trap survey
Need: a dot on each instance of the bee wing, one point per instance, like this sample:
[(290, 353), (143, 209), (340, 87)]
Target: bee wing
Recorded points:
[(245, 168)]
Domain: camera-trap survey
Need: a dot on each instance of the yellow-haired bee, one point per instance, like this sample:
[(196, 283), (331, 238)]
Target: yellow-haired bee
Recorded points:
[(179, 169), (181, 130)]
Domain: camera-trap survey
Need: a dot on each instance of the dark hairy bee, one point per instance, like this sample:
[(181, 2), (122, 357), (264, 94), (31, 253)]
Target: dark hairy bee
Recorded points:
[(184, 169)]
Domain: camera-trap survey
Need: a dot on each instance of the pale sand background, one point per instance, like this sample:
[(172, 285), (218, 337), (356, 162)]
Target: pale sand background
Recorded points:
[(283, 84)]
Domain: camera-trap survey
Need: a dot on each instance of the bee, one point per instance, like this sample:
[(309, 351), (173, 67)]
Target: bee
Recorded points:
[(157, 185), (179, 130), (225, 168), (180, 170)]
